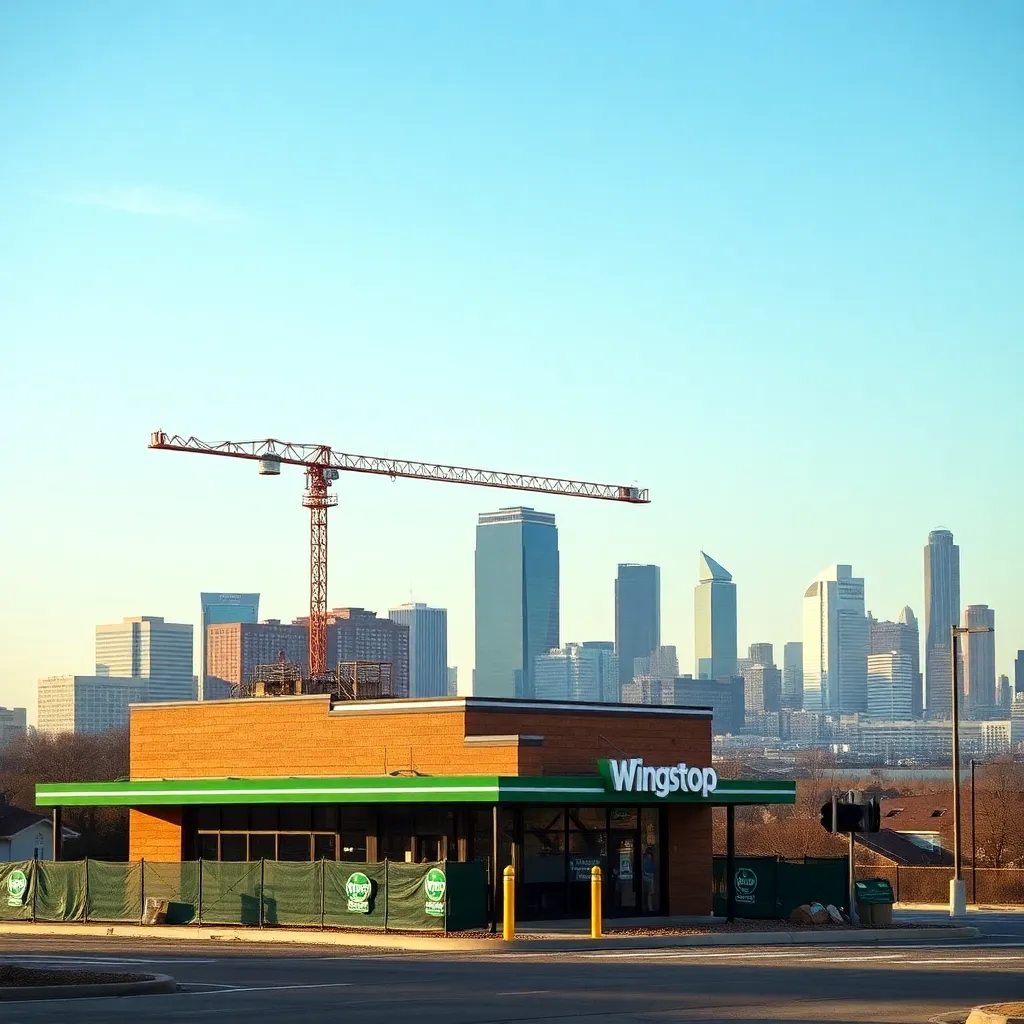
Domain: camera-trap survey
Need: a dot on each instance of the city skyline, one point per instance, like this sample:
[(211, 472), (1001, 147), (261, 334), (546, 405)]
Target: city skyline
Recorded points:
[(710, 570)]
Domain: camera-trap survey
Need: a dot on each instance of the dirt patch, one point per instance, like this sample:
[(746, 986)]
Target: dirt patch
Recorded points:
[(12, 976), (1007, 1009)]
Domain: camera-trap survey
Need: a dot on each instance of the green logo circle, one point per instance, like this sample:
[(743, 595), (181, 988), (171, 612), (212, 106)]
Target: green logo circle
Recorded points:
[(746, 882), (435, 885), (17, 884), (358, 889)]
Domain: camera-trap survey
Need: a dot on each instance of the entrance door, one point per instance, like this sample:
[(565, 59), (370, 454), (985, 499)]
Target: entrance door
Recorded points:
[(624, 865)]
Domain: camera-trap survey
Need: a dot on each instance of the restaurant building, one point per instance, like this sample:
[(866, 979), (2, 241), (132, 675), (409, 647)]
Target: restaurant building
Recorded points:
[(551, 788)]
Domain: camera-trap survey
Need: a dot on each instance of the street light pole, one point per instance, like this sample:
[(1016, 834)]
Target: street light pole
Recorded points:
[(974, 844), (957, 888)]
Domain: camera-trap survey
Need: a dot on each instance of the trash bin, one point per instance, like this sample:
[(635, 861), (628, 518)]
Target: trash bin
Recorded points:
[(874, 898)]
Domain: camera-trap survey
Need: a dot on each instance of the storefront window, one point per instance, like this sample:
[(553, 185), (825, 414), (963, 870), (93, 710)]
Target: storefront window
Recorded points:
[(262, 846), (650, 864), (263, 818), (234, 846), (293, 847)]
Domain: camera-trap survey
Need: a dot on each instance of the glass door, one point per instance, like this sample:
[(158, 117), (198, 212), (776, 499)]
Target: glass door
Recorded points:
[(624, 865)]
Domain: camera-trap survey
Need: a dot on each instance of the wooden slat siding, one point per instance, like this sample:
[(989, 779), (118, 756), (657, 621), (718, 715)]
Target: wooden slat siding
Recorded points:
[(257, 739), (154, 833), (690, 860)]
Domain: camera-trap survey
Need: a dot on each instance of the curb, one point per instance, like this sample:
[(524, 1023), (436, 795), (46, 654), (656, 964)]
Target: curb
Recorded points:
[(554, 944), (991, 1015), (150, 984)]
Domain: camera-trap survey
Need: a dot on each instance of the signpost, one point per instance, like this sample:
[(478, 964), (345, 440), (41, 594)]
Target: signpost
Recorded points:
[(852, 814)]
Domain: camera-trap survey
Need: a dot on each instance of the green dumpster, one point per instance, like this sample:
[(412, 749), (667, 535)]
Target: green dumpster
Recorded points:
[(874, 901)]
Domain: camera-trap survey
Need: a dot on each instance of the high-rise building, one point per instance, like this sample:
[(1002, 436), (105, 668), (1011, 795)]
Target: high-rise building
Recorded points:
[(355, 634), (220, 608), (146, 647), (13, 724), (1018, 673), (761, 654), (517, 601), (714, 620), (890, 686), (835, 643), (725, 697), (941, 613), (762, 686), (793, 676), (637, 615), (902, 636), (453, 680), (578, 672), (234, 649), (86, 703), (662, 663), (1004, 693), (428, 648), (979, 660)]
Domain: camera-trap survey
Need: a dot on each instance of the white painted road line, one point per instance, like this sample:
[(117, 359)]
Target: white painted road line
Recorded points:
[(265, 988), (529, 992)]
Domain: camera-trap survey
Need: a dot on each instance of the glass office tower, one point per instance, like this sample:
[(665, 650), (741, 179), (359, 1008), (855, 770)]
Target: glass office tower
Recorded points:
[(516, 599)]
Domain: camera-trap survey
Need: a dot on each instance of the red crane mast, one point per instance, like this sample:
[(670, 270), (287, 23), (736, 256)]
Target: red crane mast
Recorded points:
[(323, 465)]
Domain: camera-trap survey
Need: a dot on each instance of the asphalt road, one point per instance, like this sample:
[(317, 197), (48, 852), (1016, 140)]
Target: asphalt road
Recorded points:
[(904, 983)]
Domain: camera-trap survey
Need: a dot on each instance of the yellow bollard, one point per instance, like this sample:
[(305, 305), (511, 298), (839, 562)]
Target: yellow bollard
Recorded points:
[(508, 931), (595, 902)]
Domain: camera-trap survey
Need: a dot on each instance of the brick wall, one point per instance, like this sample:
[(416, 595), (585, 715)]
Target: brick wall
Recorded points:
[(154, 833), (300, 736), (690, 861)]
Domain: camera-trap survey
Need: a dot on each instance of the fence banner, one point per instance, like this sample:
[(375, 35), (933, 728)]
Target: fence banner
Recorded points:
[(114, 891), (17, 890), (417, 897), (292, 893), (756, 888), (355, 895), (176, 882), (229, 892), (60, 890), (466, 903)]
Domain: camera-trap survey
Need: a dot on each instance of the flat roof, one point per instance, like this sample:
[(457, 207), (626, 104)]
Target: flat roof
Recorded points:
[(575, 790)]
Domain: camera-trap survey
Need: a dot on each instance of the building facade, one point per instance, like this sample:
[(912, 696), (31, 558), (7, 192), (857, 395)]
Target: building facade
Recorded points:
[(1004, 694), (516, 599), (146, 647), (1018, 673), (978, 652), (726, 698), (714, 620), (637, 615), (218, 608), (578, 672), (941, 613), (428, 648), (355, 634), (793, 676), (234, 649), (835, 643), (762, 687), (890, 687), (86, 704), (13, 724), (902, 636)]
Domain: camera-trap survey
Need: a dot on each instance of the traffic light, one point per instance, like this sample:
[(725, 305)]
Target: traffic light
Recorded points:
[(845, 816)]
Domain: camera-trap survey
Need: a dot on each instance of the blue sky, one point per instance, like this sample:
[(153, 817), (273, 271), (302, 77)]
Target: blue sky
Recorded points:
[(764, 259)]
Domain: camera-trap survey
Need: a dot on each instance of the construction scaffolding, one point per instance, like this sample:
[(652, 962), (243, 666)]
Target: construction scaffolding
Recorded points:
[(351, 680)]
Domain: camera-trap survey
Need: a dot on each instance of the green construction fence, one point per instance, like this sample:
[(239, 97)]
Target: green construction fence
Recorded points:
[(769, 887), (445, 896)]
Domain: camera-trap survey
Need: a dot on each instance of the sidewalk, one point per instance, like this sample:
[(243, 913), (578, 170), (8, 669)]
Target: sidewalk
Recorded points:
[(568, 938)]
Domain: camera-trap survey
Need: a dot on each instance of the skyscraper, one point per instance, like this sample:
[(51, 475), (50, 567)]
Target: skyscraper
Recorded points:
[(86, 703), (517, 599), (218, 608), (941, 613), (793, 676), (890, 685), (1018, 673), (762, 688), (637, 615), (761, 654), (234, 649), (903, 637), (714, 620), (428, 648), (979, 661), (355, 634), (1004, 693), (835, 643), (146, 647), (585, 672)]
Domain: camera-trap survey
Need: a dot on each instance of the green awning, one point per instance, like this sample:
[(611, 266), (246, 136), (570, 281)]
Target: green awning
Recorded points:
[(567, 790)]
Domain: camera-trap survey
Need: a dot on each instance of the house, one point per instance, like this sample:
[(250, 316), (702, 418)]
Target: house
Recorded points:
[(24, 835), (916, 832)]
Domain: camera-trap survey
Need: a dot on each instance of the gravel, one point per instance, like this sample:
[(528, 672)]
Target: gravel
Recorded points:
[(32, 977)]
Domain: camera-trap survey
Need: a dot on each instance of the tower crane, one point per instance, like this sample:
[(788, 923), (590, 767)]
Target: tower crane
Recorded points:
[(324, 465)]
